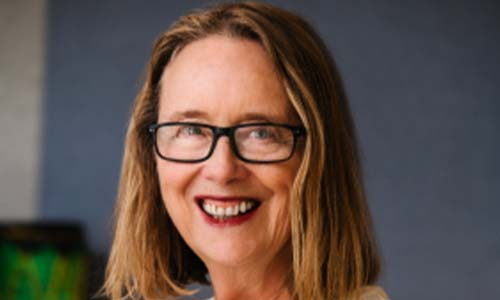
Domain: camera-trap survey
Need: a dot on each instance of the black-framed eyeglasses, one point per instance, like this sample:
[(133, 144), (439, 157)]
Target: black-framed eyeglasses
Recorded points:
[(191, 142)]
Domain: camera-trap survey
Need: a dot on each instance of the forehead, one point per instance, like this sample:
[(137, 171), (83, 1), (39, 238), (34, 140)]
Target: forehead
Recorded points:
[(226, 79)]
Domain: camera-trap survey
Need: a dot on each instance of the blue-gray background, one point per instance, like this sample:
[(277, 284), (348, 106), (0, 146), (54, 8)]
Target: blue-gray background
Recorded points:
[(423, 78)]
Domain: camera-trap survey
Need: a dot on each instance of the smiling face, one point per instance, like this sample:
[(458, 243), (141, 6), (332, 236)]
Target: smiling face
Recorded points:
[(225, 81)]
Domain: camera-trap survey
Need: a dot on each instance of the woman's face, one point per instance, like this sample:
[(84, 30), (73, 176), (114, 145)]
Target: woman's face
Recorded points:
[(224, 82)]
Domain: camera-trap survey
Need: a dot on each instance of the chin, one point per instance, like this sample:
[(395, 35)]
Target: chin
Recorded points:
[(228, 253)]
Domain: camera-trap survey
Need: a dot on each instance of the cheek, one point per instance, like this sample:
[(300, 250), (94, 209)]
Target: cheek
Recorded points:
[(174, 181), (282, 178), (280, 181), (276, 178)]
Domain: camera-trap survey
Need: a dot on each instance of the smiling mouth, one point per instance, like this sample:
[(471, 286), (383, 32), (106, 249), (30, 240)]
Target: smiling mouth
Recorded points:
[(222, 209)]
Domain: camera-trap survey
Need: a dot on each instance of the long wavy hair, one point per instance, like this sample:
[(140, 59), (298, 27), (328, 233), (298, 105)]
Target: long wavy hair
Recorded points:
[(334, 250)]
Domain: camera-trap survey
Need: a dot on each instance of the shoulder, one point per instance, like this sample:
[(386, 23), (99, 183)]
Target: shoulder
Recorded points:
[(371, 292)]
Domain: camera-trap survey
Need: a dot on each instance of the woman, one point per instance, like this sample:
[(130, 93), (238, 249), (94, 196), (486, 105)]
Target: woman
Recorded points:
[(241, 164)]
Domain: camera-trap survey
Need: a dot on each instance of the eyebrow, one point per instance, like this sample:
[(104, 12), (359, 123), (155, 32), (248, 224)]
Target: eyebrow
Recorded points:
[(187, 114), (259, 116)]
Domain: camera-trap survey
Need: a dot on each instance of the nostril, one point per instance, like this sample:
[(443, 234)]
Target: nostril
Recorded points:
[(224, 165)]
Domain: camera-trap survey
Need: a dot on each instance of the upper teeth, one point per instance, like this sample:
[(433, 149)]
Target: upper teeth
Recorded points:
[(229, 211)]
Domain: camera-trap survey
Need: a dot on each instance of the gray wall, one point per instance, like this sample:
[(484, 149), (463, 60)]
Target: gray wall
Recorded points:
[(22, 45), (423, 78)]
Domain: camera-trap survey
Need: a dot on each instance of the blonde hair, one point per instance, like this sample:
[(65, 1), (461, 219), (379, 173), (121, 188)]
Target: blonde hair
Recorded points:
[(334, 251)]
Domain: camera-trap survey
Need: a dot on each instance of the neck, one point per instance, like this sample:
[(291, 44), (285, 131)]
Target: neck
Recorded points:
[(271, 281)]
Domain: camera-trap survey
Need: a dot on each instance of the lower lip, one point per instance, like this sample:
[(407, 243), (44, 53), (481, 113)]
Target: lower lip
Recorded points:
[(233, 221)]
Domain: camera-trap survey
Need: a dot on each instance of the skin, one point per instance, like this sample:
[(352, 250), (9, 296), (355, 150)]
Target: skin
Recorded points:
[(226, 81)]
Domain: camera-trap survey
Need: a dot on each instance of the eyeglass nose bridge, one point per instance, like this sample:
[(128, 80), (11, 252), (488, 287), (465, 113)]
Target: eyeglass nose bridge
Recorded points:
[(224, 131)]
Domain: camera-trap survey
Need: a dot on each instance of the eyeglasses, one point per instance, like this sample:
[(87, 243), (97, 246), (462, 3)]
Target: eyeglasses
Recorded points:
[(189, 142)]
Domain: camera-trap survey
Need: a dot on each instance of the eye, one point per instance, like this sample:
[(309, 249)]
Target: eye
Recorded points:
[(261, 133), (190, 131)]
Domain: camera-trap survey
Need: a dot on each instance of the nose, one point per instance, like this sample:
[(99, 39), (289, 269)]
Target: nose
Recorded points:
[(223, 166)]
